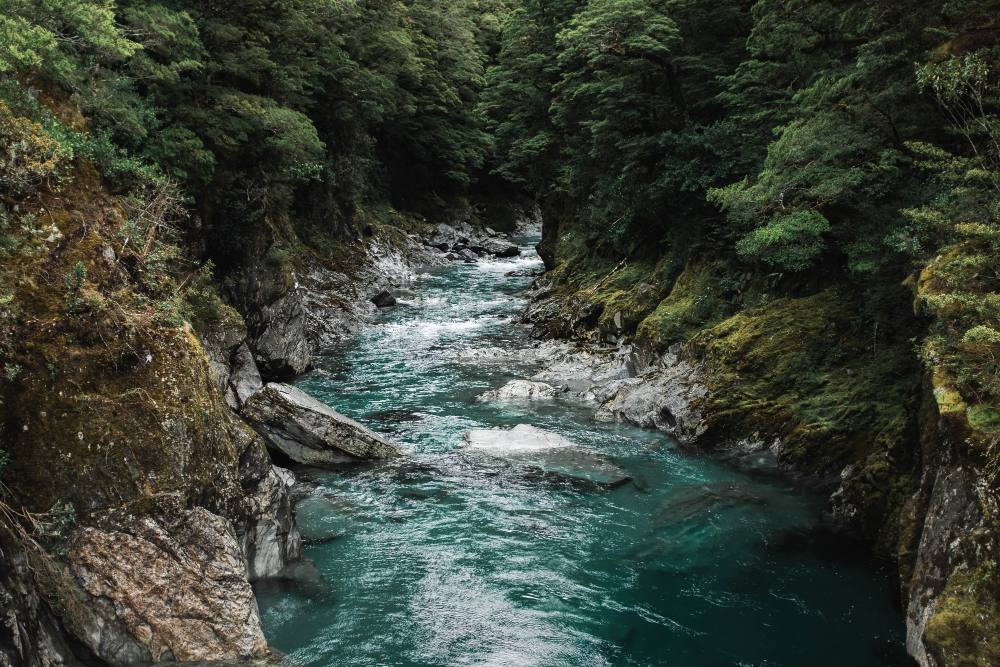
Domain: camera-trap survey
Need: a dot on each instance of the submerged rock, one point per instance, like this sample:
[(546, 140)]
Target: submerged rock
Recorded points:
[(521, 389), (551, 452), (311, 432)]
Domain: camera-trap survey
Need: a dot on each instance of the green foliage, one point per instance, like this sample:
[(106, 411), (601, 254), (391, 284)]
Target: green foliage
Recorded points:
[(790, 242), (4, 460), (59, 35)]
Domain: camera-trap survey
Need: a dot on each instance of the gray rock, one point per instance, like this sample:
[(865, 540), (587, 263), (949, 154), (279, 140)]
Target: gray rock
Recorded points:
[(662, 399), (529, 221), (468, 255), (521, 389), (500, 248), (244, 379), (310, 432), (383, 299), (220, 339), (528, 445), (30, 634), (282, 350), (270, 539), (444, 237), (953, 513)]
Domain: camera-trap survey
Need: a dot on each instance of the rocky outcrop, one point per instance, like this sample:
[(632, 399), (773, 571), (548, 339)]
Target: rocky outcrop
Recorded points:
[(953, 513), (309, 432), (134, 482), (383, 299), (174, 578), (665, 398), (281, 349), (244, 378), (338, 298), (573, 316), (270, 538), (221, 337), (471, 243), (31, 635)]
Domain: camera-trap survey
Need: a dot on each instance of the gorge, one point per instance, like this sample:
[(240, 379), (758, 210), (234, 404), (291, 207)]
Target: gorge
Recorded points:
[(555, 332)]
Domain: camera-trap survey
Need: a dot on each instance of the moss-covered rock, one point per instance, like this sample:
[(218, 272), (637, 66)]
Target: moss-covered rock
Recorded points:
[(695, 303)]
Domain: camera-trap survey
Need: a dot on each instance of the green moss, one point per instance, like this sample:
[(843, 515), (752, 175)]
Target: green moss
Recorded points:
[(111, 405), (795, 369), (694, 303)]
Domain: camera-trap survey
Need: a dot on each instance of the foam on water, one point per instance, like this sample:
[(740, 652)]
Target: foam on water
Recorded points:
[(452, 558)]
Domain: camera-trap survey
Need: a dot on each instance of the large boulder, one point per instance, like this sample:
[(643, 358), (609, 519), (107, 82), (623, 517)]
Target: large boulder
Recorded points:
[(384, 299), (497, 247), (244, 379), (310, 432), (444, 237)]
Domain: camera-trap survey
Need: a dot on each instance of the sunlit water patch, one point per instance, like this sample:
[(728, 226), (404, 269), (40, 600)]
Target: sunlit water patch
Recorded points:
[(458, 556)]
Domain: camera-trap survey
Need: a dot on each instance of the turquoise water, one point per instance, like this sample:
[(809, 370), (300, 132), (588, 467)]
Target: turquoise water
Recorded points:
[(453, 558)]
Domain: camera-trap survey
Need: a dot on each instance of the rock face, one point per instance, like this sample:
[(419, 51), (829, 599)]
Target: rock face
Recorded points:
[(663, 399), (310, 432), (30, 634), (528, 445), (220, 339), (244, 379), (270, 538), (338, 298), (521, 389), (281, 349), (953, 514), (175, 579)]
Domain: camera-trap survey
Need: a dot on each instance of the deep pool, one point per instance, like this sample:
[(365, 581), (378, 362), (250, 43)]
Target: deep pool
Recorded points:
[(447, 558)]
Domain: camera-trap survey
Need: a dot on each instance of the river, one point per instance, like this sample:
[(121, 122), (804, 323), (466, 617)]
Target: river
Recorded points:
[(452, 558)]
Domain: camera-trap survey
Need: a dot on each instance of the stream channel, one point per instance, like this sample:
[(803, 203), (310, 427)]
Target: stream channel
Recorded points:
[(453, 557)]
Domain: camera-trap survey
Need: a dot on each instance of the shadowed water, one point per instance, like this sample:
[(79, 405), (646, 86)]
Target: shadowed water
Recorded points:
[(462, 557)]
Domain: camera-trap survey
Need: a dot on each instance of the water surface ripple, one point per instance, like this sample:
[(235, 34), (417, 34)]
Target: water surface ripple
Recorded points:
[(454, 558)]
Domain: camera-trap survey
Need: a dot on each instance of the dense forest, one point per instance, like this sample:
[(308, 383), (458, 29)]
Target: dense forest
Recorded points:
[(707, 170), (805, 139)]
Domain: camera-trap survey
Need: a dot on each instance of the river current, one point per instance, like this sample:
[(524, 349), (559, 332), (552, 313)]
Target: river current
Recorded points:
[(451, 558)]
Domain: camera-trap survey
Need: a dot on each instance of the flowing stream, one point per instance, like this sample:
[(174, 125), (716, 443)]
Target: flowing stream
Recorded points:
[(450, 557)]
